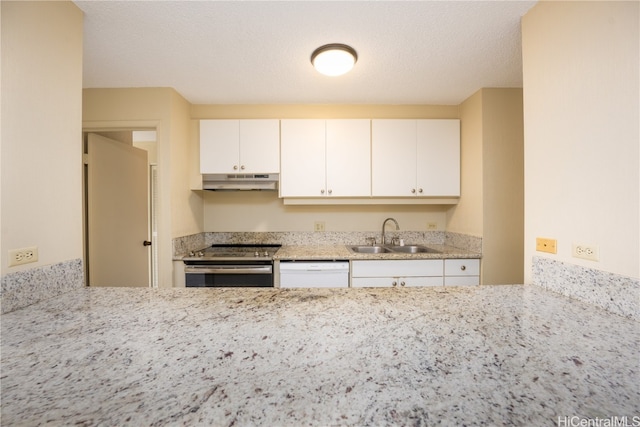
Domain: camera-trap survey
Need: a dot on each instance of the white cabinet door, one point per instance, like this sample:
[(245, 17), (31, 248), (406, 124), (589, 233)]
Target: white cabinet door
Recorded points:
[(239, 146), (302, 158), (348, 148), (395, 282), (438, 156), (393, 158), (259, 146), (371, 282), (412, 282), (219, 146)]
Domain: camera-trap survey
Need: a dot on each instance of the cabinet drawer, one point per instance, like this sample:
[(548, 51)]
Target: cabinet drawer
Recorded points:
[(397, 268), (462, 267)]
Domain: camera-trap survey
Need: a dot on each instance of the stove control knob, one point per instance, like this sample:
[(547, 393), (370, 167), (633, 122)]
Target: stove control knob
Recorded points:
[(266, 253), (200, 254), (192, 253), (257, 254)]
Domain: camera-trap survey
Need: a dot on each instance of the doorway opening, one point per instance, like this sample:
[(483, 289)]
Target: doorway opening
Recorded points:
[(120, 194)]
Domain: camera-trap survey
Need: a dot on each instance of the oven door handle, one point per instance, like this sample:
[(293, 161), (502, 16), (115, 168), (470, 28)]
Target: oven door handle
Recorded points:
[(229, 270)]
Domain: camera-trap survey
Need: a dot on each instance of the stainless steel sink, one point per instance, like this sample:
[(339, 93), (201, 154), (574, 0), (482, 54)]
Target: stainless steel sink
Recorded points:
[(368, 249), (408, 249), (412, 249)]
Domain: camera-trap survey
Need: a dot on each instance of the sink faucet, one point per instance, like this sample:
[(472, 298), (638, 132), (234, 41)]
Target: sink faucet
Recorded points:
[(384, 224)]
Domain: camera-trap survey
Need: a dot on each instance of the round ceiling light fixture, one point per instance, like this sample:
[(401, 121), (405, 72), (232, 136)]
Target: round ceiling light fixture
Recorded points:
[(334, 59)]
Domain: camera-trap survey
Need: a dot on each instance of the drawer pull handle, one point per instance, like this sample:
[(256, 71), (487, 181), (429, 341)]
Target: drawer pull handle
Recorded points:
[(463, 267)]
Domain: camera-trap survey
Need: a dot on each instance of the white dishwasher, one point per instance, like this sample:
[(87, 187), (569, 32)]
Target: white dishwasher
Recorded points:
[(314, 274)]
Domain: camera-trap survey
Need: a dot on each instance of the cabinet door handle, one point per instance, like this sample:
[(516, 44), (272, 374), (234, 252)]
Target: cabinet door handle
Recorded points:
[(394, 283), (463, 267), (413, 191), (330, 191), (420, 191), (235, 167), (242, 167), (401, 283), (321, 191)]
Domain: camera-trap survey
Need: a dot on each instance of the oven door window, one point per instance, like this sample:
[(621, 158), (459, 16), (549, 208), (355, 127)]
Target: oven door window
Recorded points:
[(229, 276)]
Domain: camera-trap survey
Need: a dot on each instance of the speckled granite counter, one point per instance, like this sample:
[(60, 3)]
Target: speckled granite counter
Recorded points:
[(319, 252), (329, 242), (490, 355)]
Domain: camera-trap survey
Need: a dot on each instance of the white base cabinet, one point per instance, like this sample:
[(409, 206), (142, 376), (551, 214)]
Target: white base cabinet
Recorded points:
[(461, 272), (408, 273), (396, 273)]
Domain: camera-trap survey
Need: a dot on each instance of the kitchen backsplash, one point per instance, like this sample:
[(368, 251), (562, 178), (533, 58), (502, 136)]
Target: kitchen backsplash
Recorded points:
[(613, 292), (22, 288), (183, 245)]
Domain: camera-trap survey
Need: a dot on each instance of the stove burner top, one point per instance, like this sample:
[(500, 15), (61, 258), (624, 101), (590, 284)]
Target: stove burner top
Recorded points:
[(232, 252)]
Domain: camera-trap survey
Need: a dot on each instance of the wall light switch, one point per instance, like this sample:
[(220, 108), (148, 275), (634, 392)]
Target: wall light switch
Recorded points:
[(546, 245)]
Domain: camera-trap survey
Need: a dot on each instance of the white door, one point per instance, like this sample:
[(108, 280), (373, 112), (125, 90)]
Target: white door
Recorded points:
[(259, 146), (438, 154), (302, 158), (118, 216), (219, 146), (393, 158), (349, 158)]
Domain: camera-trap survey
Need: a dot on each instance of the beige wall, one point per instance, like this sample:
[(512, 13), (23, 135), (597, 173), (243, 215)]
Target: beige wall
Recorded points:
[(323, 111), (491, 202), (180, 210), (41, 117), (503, 186), (466, 216), (581, 131), (186, 206), (264, 211)]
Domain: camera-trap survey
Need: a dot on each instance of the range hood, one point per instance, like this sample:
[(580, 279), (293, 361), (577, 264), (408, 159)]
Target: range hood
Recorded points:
[(234, 182)]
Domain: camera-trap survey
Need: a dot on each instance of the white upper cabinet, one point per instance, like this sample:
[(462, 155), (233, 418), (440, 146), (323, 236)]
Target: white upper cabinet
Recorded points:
[(302, 158), (438, 156), (415, 158), (393, 158), (239, 146), (349, 158), (325, 158)]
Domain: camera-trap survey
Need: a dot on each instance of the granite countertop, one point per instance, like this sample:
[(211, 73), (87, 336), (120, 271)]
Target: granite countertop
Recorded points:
[(488, 355), (320, 252), (331, 252)]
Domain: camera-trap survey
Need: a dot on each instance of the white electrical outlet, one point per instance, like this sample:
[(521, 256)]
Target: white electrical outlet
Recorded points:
[(318, 226), (23, 256), (589, 252), (432, 226)]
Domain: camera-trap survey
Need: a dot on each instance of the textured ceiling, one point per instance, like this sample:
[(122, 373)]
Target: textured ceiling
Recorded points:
[(243, 52)]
